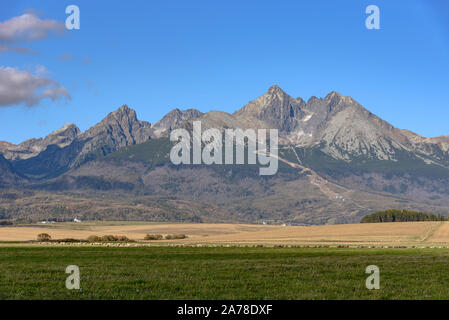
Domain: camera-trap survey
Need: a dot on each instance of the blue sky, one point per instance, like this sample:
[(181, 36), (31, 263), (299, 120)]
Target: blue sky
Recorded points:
[(218, 55)]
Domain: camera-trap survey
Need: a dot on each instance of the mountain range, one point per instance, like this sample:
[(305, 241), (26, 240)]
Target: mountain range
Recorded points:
[(338, 162)]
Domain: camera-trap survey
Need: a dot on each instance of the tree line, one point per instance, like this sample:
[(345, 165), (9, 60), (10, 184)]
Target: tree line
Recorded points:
[(396, 215)]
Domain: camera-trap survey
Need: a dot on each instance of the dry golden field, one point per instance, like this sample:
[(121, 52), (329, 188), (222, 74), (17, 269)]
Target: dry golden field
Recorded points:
[(404, 233)]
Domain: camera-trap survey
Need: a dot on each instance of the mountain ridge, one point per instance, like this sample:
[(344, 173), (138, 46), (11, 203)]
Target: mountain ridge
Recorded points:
[(340, 125), (192, 113), (331, 148)]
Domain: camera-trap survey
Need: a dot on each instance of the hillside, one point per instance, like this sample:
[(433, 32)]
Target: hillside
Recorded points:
[(337, 163)]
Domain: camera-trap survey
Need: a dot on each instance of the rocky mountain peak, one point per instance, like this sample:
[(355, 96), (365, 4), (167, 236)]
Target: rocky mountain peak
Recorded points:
[(334, 98), (312, 99), (173, 119), (275, 90), (118, 129), (32, 147), (69, 130), (336, 102), (275, 108), (276, 93), (61, 137), (124, 113), (122, 126), (333, 94)]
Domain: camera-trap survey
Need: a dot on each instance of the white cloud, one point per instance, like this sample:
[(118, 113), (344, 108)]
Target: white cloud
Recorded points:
[(55, 93), (4, 48), (28, 27), (17, 87)]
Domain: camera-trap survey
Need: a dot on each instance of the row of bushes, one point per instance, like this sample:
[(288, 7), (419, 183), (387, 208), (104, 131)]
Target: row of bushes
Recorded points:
[(42, 237), (109, 238), (45, 237), (167, 237)]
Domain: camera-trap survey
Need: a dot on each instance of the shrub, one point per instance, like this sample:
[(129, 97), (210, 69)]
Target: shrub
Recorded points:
[(94, 238), (43, 237), (122, 238), (153, 237), (108, 238), (175, 236)]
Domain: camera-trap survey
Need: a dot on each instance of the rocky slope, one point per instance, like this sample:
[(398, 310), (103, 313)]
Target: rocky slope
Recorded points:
[(340, 127), (32, 147), (173, 120), (119, 129), (276, 109), (8, 178), (68, 148)]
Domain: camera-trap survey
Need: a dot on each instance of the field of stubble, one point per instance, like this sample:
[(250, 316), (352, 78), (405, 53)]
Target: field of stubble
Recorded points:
[(405, 233)]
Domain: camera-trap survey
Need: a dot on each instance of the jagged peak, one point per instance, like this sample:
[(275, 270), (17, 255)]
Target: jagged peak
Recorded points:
[(185, 111), (175, 116), (175, 111), (275, 89), (333, 94), (336, 97), (68, 126), (125, 109), (275, 96), (312, 99), (69, 131), (6, 144), (193, 110), (123, 112)]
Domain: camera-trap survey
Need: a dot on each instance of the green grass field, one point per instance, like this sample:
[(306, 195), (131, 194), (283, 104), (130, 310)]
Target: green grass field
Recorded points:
[(222, 273)]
